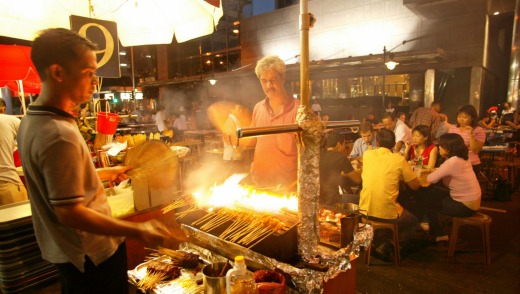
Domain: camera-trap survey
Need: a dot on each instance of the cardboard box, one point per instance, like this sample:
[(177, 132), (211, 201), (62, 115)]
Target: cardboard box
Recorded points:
[(151, 191)]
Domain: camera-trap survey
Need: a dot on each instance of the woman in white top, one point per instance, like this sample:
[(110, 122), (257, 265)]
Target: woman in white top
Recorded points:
[(508, 117), (462, 196)]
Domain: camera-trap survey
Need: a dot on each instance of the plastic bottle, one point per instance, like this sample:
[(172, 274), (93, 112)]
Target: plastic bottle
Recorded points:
[(239, 280)]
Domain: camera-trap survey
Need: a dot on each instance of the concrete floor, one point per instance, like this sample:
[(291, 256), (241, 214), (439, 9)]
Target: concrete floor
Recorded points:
[(430, 270)]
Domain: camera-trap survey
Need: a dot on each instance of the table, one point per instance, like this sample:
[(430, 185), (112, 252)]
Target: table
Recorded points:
[(498, 135), (202, 134), (491, 167)]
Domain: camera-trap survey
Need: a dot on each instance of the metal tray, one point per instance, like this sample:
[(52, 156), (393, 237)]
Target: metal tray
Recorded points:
[(282, 247), (186, 283)]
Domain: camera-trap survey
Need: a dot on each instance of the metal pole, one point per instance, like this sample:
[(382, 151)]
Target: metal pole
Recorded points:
[(133, 75), (292, 128), (304, 54), (384, 78), (514, 70)]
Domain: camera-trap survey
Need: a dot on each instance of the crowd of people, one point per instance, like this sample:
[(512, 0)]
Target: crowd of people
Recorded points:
[(417, 172)]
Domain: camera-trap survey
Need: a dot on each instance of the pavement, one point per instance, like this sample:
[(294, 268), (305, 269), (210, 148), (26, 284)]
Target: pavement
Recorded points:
[(431, 270)]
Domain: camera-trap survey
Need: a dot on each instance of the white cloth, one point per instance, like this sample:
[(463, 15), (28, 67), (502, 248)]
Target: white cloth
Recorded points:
[(8, 129), (180, 123), (160, 117), (402, 133), (510, 110), (316, 107), (230, 152)]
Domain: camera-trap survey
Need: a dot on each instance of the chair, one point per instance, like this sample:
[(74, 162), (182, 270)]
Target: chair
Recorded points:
[(391, 224), (506, 165), (479, 220)]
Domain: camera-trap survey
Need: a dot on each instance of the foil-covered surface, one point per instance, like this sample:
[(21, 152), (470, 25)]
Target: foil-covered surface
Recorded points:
[(308, 181), (304, 280)]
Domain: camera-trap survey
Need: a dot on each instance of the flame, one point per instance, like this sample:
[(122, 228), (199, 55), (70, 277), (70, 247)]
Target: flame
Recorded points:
[(232, 194)]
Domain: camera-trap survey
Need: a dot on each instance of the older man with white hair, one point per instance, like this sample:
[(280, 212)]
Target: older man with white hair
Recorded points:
[(276, 156)]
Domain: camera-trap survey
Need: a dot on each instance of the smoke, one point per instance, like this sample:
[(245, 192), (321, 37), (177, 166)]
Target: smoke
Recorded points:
[(210, 170), (175, 100)]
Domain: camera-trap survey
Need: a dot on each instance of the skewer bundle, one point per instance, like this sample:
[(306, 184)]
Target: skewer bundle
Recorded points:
[(216, 218), (246, 227), (176, 204), (158, 271), (177, 257)]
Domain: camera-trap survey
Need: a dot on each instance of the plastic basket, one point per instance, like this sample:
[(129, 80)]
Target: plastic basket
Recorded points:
[(107, 121)]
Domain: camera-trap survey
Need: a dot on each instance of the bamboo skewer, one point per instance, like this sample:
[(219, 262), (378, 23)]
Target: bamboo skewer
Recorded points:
[(203, 219), (215, 222), (182, 214), (259, 241), (176, 204), (237, 225)]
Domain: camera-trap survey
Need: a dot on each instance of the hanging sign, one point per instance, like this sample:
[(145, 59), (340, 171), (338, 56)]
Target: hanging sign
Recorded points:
[(104, 34)]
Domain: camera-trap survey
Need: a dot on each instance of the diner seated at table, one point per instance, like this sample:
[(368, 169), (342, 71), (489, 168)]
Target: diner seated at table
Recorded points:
[(366, 142), (336, 171), (402, 132), (509, 116), (422, 148), (382, 172), (486, 122), (460, 194), (444, 126), (474, 136)]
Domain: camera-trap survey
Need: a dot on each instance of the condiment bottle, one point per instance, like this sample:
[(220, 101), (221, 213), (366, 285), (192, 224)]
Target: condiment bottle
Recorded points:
[(239, 280)]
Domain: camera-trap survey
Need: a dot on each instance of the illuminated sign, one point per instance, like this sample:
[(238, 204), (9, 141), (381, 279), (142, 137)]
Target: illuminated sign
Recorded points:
[(128, 95)]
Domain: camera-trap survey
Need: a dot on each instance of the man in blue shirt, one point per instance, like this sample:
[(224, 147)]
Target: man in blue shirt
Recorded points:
[(366, 142)]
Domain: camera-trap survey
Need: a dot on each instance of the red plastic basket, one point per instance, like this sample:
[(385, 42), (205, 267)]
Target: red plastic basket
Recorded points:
[(107, 123)]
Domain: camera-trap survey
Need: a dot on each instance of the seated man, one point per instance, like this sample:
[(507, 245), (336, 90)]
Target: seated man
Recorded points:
[(335, 168), (382, 172), (402, 132), (366, 142)]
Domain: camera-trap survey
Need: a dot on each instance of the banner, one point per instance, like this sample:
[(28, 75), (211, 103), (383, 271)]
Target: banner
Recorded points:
[(104, 34)]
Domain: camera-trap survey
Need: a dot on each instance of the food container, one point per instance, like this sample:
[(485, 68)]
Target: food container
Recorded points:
[(280, 246), (339, 224), (214, 277), (269, 282)]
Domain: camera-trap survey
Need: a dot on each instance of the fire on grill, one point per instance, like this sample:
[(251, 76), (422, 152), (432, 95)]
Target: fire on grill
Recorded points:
[(261, 221)]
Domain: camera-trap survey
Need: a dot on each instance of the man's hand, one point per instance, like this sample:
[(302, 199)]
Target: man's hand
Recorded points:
[(154, 233), (114, 174)]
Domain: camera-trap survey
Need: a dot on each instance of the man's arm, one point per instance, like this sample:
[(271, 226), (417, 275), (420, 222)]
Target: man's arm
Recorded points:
[(79, 217), (409, 177), (398, 146), (414, 184), (356, 149), (113, 173), (353, 176)]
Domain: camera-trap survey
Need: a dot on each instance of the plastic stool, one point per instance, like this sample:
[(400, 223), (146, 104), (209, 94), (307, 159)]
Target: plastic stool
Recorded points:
[(390, 224), (480, 220)]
